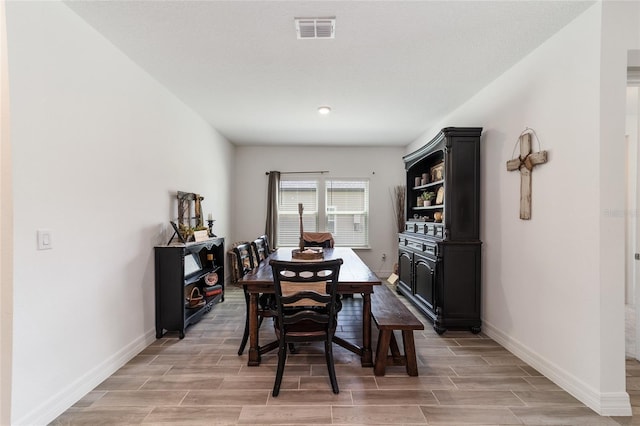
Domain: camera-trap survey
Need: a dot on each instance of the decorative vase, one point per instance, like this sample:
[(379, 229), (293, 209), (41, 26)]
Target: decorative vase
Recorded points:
[(427, 203)]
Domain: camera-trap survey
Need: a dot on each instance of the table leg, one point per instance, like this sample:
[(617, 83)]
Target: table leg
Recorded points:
[(367, 357), (254, 349)]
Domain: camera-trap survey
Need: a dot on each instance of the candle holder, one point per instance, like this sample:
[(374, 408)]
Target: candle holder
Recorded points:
[(210, 222)]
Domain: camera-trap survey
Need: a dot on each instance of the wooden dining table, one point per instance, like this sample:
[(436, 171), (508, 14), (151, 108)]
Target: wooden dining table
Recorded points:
[(355, 278)]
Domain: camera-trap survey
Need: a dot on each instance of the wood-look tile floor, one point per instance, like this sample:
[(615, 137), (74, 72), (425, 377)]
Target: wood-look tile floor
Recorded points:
[(200, 380)]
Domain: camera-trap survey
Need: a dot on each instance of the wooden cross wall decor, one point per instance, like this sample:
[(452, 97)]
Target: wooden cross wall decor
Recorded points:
[(525, 163)]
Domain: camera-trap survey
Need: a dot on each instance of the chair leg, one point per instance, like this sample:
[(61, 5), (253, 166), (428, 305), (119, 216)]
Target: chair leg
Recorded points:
[(282, 357), (245, 336), (328, 352)]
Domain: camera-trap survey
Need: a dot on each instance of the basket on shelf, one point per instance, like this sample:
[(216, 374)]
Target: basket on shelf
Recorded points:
[(195, 299)]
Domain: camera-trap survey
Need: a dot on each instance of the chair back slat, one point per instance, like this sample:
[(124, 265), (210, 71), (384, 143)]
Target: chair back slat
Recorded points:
[(292, 289)]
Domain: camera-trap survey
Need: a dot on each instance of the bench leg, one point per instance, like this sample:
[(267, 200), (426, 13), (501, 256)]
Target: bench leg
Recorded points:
[(381, 352), (398, 359), (410, 352)]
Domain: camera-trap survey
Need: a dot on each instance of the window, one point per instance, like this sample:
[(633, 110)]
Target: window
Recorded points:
[(293, 192), (343, 210)]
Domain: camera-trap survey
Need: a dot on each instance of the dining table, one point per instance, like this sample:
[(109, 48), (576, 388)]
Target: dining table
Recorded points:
[(355, 277)]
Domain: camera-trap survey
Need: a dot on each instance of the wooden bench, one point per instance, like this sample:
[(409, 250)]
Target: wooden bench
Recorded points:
[(389, 314)]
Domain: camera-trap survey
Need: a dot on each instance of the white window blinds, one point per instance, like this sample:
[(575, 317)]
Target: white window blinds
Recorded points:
[(293, 192), (347, 212)]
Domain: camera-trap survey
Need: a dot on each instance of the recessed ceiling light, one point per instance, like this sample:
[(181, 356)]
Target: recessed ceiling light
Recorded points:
[(324, 110)]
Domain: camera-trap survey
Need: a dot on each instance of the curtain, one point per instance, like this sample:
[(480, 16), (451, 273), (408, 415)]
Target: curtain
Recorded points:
[(271, 227)]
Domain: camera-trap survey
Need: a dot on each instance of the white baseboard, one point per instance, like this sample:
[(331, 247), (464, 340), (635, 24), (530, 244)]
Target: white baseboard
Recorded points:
[(57, 404), (605, 404)]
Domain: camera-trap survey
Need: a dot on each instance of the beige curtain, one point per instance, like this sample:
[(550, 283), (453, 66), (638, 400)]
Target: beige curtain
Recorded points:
[(271, 227)]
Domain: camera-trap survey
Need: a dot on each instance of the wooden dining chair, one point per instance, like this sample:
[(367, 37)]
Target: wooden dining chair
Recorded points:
[(260, 250), (244, 255), (306, 309), (318, 239), (267, 246)]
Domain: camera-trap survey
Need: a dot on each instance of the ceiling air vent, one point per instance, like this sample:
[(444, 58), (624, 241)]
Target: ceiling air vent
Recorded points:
[(307, 28)]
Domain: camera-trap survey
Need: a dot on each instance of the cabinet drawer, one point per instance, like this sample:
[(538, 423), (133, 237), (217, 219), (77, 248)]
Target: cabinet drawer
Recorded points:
[(423, 247), (431, 229), (415, 245)]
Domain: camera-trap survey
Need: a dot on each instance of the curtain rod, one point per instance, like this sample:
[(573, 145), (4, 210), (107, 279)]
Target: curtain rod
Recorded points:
[(289, 173)]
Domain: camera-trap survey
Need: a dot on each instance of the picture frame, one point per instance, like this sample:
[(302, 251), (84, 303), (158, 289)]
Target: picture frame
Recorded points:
[(437, 172)]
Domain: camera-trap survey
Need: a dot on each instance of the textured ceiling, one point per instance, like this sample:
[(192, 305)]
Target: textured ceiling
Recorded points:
[(393, 70)]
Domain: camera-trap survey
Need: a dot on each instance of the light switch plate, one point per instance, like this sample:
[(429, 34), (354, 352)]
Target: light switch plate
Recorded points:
[(45, 241)]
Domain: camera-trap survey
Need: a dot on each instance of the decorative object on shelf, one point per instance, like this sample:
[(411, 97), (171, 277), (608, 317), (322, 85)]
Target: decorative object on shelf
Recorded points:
[(425, 179), (437, 172), (212, 290), (200, 235), (427, 197), (418, 181), (437, 216), (211, 279), (190, 209), (176, 231), (525, 163), (189, 218), (210, 221), (440, 195), (195, 299)]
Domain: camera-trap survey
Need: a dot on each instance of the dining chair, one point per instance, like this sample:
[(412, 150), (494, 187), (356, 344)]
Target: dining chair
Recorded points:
[(244, 255), (267, 246), (260, 250), (318, 239), (306, 309)]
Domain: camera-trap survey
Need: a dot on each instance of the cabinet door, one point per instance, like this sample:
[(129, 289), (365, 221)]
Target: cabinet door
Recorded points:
[(405, 263), (425, 273)]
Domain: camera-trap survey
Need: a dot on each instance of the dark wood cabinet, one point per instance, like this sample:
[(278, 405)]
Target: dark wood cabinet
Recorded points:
[(439, 255), (179, 269)]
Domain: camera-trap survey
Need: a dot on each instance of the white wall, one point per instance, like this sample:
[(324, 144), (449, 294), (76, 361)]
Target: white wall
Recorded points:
[(99, 149), (631, 133), (383, 166), (553, 287), (6, 233)]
